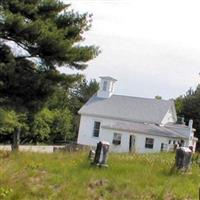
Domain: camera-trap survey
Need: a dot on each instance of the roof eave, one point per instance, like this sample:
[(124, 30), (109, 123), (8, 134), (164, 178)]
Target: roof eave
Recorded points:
[(146, 133), (116, 118)]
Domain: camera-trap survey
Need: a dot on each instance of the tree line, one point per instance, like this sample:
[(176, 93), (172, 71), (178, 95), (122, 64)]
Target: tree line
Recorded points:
[(36, 38), (56, 122), (188, 106)]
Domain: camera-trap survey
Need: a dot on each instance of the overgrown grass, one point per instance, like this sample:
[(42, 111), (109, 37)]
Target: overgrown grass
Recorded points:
[(69, 176)]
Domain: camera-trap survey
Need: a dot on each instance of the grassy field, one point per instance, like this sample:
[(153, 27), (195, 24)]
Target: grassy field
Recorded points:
[(69, 176)]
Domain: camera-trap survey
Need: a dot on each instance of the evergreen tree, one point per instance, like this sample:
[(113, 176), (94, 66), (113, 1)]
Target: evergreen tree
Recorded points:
[(37, 37), (189, 107)]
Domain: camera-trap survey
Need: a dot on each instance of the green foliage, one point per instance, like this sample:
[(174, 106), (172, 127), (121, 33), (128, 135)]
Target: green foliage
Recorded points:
[(23, 88), (49, 124), (42, 122), (72, 96), (37, 37), (87, 89), (82, 93), (179, 104), (62, 124), (44, 30), (10, 121), (5, 192), (78, 97), (189, 107)]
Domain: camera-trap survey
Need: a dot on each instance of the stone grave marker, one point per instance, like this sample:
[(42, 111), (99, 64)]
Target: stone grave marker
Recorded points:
[(101, 154), (183, 158)]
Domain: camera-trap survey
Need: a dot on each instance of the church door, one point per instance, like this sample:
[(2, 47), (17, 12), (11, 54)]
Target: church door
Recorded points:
[(131, 143)]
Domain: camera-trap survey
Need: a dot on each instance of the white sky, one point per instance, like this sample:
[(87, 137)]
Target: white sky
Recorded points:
[(151, 47)]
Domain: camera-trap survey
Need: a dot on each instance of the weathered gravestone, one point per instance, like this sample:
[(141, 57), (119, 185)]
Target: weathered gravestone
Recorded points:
[(101, 154), (183, 158), (91, 155)]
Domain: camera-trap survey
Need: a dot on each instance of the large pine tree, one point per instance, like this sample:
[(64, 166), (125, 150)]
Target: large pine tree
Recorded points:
[(36, 38)]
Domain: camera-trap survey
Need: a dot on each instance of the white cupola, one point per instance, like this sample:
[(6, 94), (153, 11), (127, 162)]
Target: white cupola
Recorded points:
[(106, 88)]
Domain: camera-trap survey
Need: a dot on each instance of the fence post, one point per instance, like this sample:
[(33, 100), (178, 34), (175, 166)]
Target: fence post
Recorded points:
[(16, 140)]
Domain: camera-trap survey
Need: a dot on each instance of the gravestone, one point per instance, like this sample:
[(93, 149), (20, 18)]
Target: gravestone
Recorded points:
[(91, 155), (97, 153), (101, 154), (183, 158)]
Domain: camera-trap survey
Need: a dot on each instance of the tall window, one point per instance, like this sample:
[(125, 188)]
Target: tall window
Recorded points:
[(105, 85), (96, 129), (149, 143), (117, 138)]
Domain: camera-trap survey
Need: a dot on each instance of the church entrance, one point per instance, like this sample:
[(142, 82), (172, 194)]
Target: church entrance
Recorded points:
[(131, 143)]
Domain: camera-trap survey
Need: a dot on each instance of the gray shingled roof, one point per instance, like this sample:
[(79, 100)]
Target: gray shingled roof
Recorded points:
[(128, 108), (179, 128), (150, 129)]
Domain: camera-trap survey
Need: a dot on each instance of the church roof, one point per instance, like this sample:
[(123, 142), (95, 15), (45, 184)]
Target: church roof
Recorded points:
[(179, 128), (128, 108), (178, 131)]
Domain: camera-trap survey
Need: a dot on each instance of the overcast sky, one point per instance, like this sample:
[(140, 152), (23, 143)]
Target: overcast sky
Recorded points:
[(151, 47)]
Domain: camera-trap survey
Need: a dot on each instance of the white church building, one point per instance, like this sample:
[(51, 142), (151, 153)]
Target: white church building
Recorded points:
[(132, 124)]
